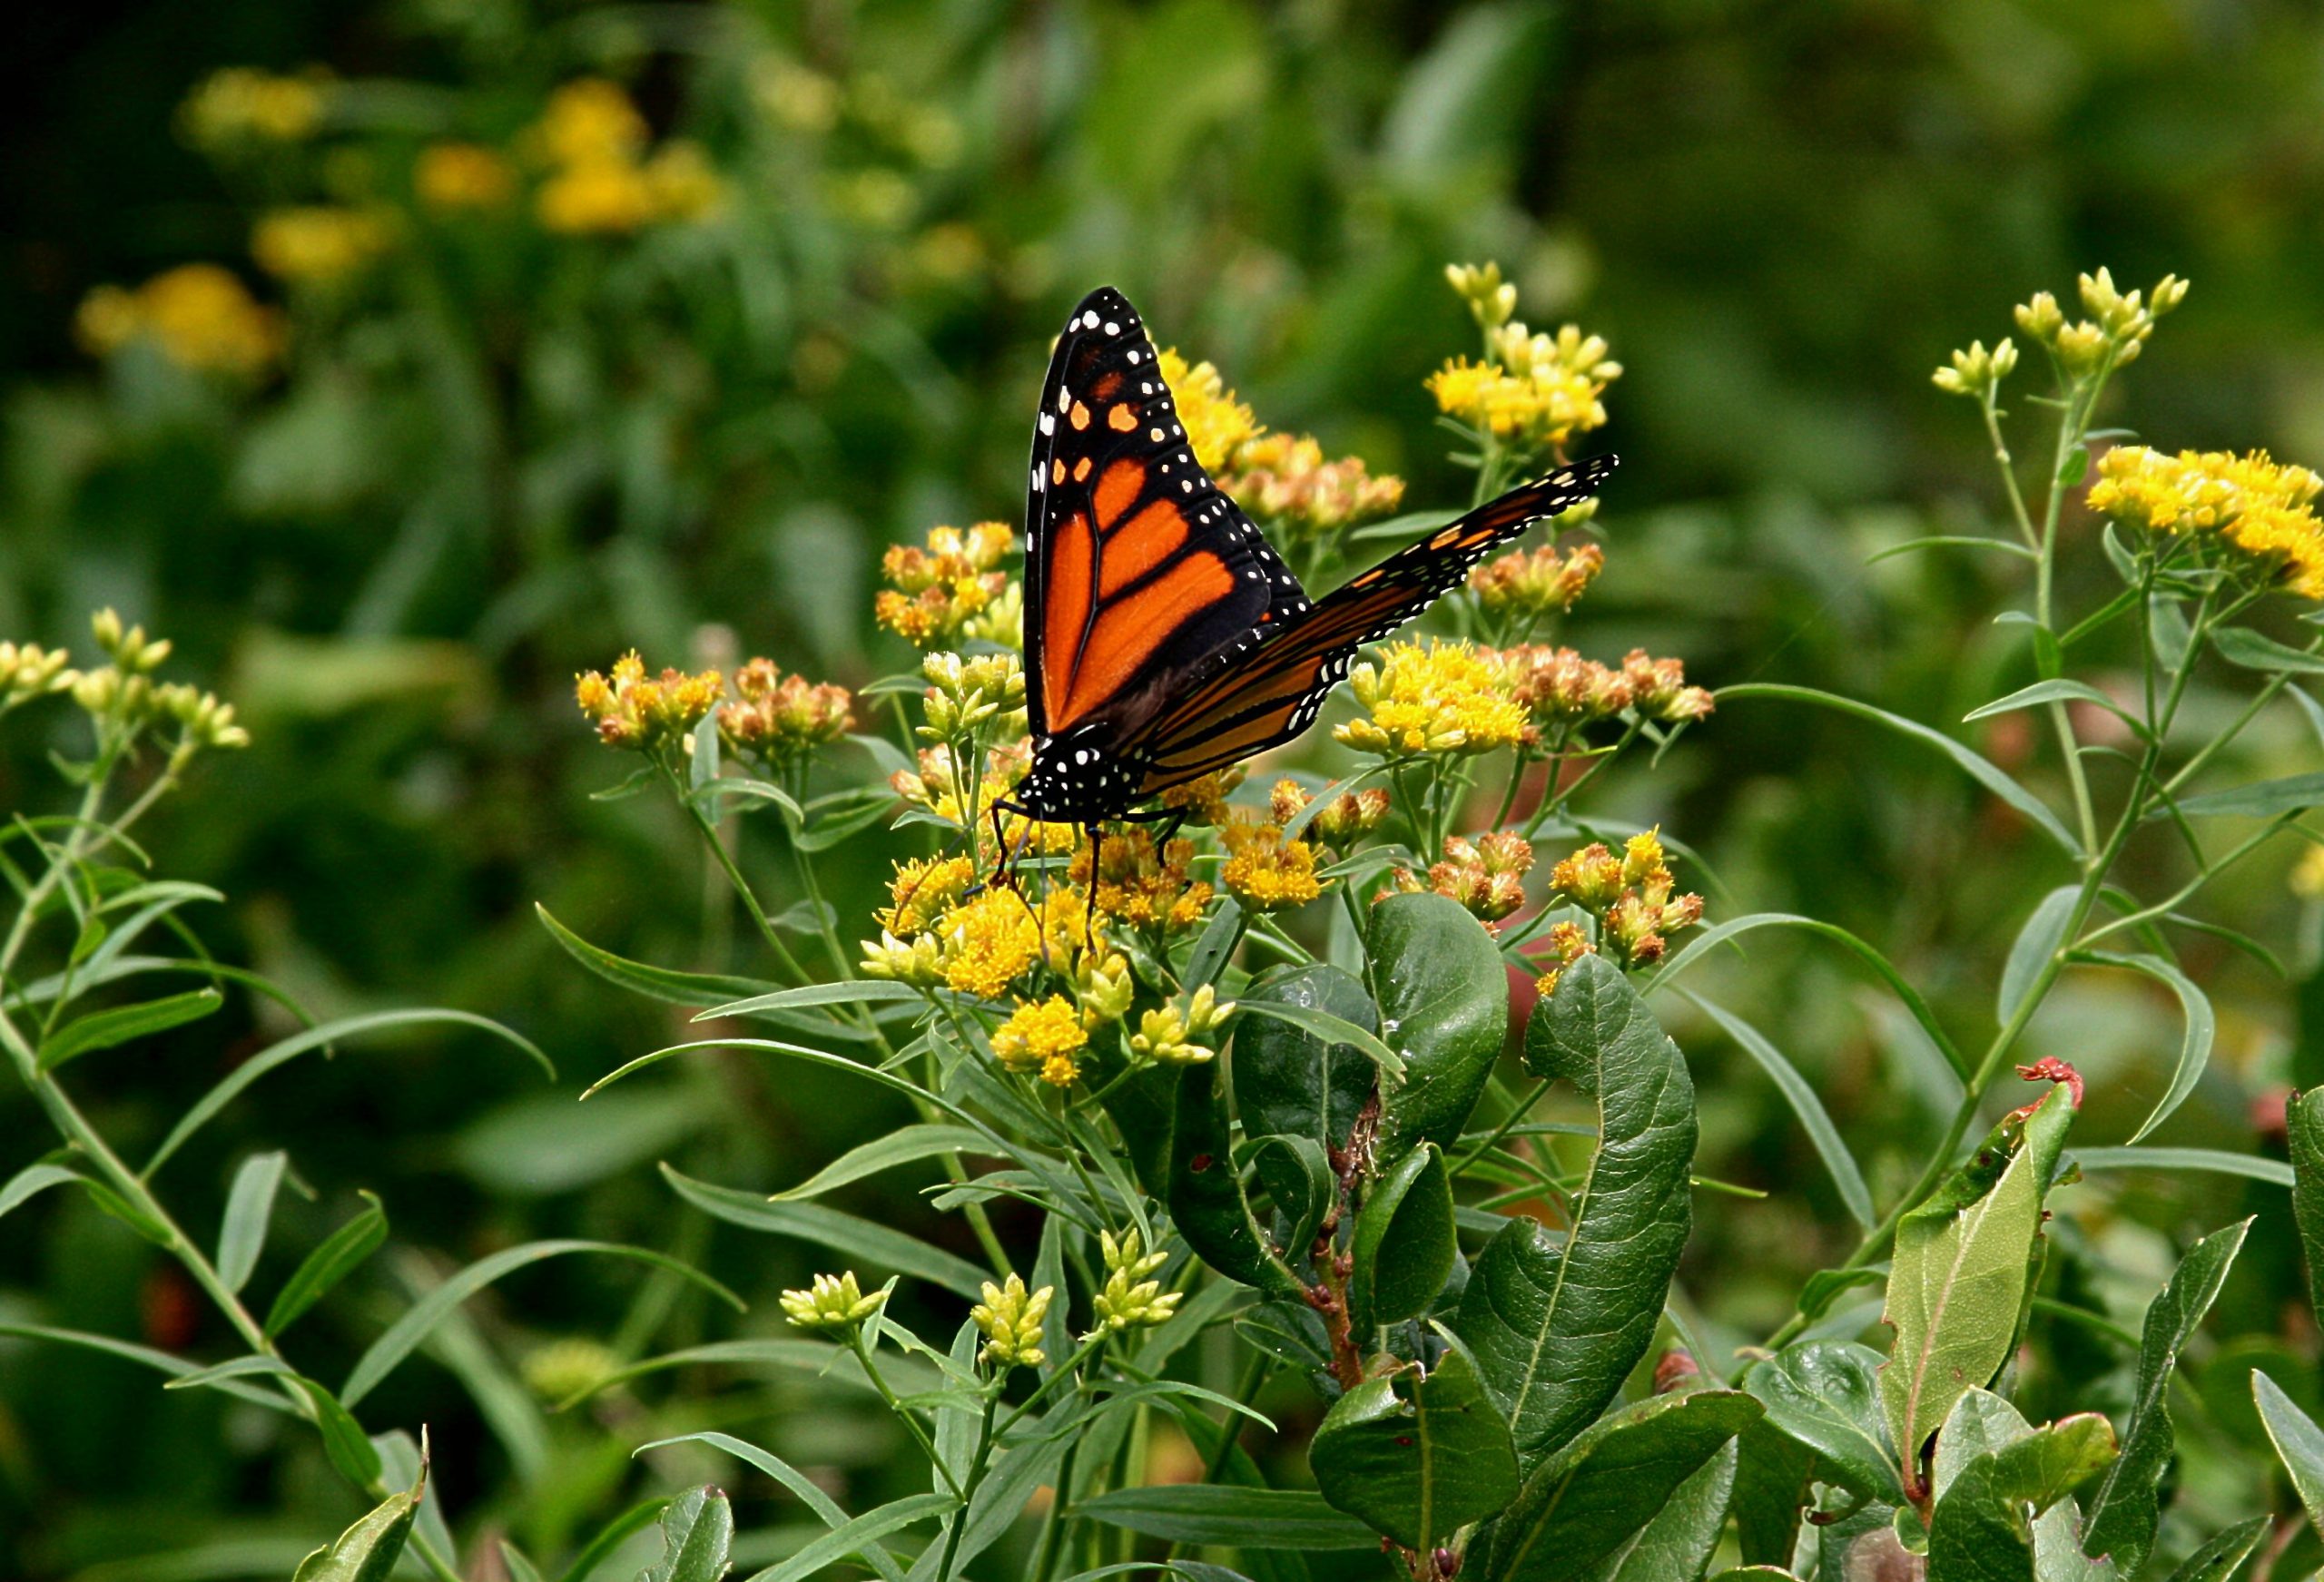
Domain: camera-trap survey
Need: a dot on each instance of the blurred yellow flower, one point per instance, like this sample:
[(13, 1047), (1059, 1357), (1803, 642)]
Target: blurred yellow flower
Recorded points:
[(318, 242), (1433, 697), (633, 710), (2258, 509), (1526, 587), (590, 121), (452, 176), (795, 96), (2307, 875), (1265, 872), (243, 104), (783, 717), (683, 183), (601, 183), (1217, 424), (200, 315), (1284, 478), (951, 589), (1044, 1038), (599, 198), (1167, 1036)]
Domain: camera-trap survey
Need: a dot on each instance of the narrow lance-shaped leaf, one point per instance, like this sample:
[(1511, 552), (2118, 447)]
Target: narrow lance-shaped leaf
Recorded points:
[(1557, 1325), (1443, 999), (1417, 1454), (249, 1207), (1247, 1519), (340, 1253), (1800, 1093), (2304, 1121), (368, 1551), (2199, 1028), (2044, 932), (105, 1029), (2217, 1559), (2299, 1443), (2125, 1511)]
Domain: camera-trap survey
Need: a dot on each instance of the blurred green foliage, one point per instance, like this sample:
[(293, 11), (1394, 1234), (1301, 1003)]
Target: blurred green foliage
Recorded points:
[(494, 453)]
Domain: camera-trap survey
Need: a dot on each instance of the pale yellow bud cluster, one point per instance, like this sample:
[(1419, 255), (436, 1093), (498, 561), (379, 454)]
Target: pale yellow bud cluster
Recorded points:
[(203, 720), (1129, 1298), (1168, 1036), (1975, 371), (1491, 300), (2117, 328), (1104, 988), (29, 671), (131, 649), (834, 1301), (1011, 1318), (964, 694)]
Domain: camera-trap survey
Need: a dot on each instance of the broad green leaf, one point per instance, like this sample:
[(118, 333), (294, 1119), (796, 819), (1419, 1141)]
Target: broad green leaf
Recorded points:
[(1556, 1324), (2241, 645), (340, 1253), (249, 1207), (33, 1179), (1958, 1278), (2217, 1561), (1773, 1475), (317, 1038), (2199, 1023), (1800, 1095), (368, 1551), (2042, 935), (1207, 1204), (1825, 1395), (406, 1333), (1417, 1456), (1982, 771), (2262, 800), (1678, 1542), (2216, 1161), (2304, 1122), (1299, 1181), (1246, 1518), (697, 1538), (874, 1243), (1582, 1505), (1443, 999), (1144, 1106), (1404, 1246), (2298, 1442), (108, 1029), (2125, 1510), (905, 1145), (855, 1536), (809, 1493), (1981, 1529), (1286, 1080)]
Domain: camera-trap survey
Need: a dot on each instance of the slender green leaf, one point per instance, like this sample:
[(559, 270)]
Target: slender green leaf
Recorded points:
[(33, 1179), (905, 1145), (162, 1362), (2217, 1160), (2298, 1442), (249, 1207), (2126, 1509), (1825, 1395), (2262, 800), (1246, 1518), (406, 1333), (106, 1029), (1214, 944), (2217, 1559), (818, 1359), (853, 991), (697, 1538), (349, 1448), (826, 1507), (1403, 1247), (858, 1534), (1417, 1454), (2059, 691), (1556, 1324), (2304, 1123), (612, 1536), (368, 1551), (1951, 541), (1979, 768), (2198, 1028), (1800, 1095), (341, 1254), (684, 989), (2041, 937), (2241, 645), (1443, 997), (874, 1243), (1328, 1028)]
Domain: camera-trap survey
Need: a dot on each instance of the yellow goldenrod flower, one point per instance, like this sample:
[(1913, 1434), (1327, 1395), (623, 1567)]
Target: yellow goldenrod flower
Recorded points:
[(1283, 479), (590, 121), (1659, 688), (783, 718), (1143, 887), (1167, 1036), (951, 589), (1044, 1038), (201, 718), (1534, 389), (1263, 872), (1630, 896), (834, 1301), (453, 176), (2255, 509), (922, 891), (1568, 943), (1491, 300), (1011, 1318), (1975, 370), (682, 183), (198, 315), (1349, 816), (2117, 330), (1560, 690), (989, 942), (599, 198), (1433, 697), (243, 105), (795, 96), (1217, 424), (633, 710), (2308, 874), (1129, 1298), (1486, 876), (1528, 586), (1203, 800), (318, 242)]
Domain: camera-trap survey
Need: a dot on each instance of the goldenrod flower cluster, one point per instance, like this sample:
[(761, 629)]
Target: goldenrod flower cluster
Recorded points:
[(1532, 390), (1659, 688), (989, 942), (1265, 872), (241, 104), (602, 181), (1630, 896), (1011, 1318), (923, 890), (1433, 697), (450, 177), (633, 710), (198, 315), (834, 1301), (1348, 817), (1486, 875), (1528, 585), (315, 243), (783, 718), (121, 695), (951, 589), (1974, 371), (1217, 424), (28, 670), (1129, 1298), (794, 96), (2256, 508), (964, 694), (1043, 1038), (2117, 328), (1143, 886), (1560, 690), (1568, 943), (1284, 480), (1203, 800), (1168, 1036)]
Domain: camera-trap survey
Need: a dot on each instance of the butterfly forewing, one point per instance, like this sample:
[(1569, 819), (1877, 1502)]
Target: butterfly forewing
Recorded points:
[(1137, 569)]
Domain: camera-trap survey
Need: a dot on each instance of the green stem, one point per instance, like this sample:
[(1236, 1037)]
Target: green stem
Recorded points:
[(1508, 1124), (863, 1354)]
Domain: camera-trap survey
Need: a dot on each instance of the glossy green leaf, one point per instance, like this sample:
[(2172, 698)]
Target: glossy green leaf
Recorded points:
[(1824, 1394), (2298, 1442), (2125, 1510), (249, 1207), (1556, 1324), (1958, 1278), (1983, 1529), (1403, 1247), (1773, 1476), (368, 1551), (339, 1254), (406, 1333), (1582, 1505), (1246, 1518), (106, 1029), (2217, 1559), (1207, 1204), (2042, 936), (1417, 1456), (1848, 1180), (1982, 771), (1443, 999), (874, 1243), (1288, 1080), (2198, 1028), (2304, 1123), (697, 1538), (1328, 1028), (1300, 1181), (1678, 1542), (2260, 799)]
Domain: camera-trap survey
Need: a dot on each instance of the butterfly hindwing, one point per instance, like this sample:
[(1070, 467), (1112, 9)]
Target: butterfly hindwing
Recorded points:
[(1138, 570)]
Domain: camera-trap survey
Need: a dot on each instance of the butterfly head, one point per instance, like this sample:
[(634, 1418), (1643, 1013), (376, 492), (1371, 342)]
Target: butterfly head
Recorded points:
[(1078, 777)]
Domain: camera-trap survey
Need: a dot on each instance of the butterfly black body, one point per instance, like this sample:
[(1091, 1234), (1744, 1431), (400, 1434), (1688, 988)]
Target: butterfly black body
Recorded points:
[(1163, 636)]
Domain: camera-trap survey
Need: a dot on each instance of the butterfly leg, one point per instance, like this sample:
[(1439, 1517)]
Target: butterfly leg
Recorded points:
[(1089, 910)]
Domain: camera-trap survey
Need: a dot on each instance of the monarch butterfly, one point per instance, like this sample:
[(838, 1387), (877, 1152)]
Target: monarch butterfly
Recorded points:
[(1163, 636)]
